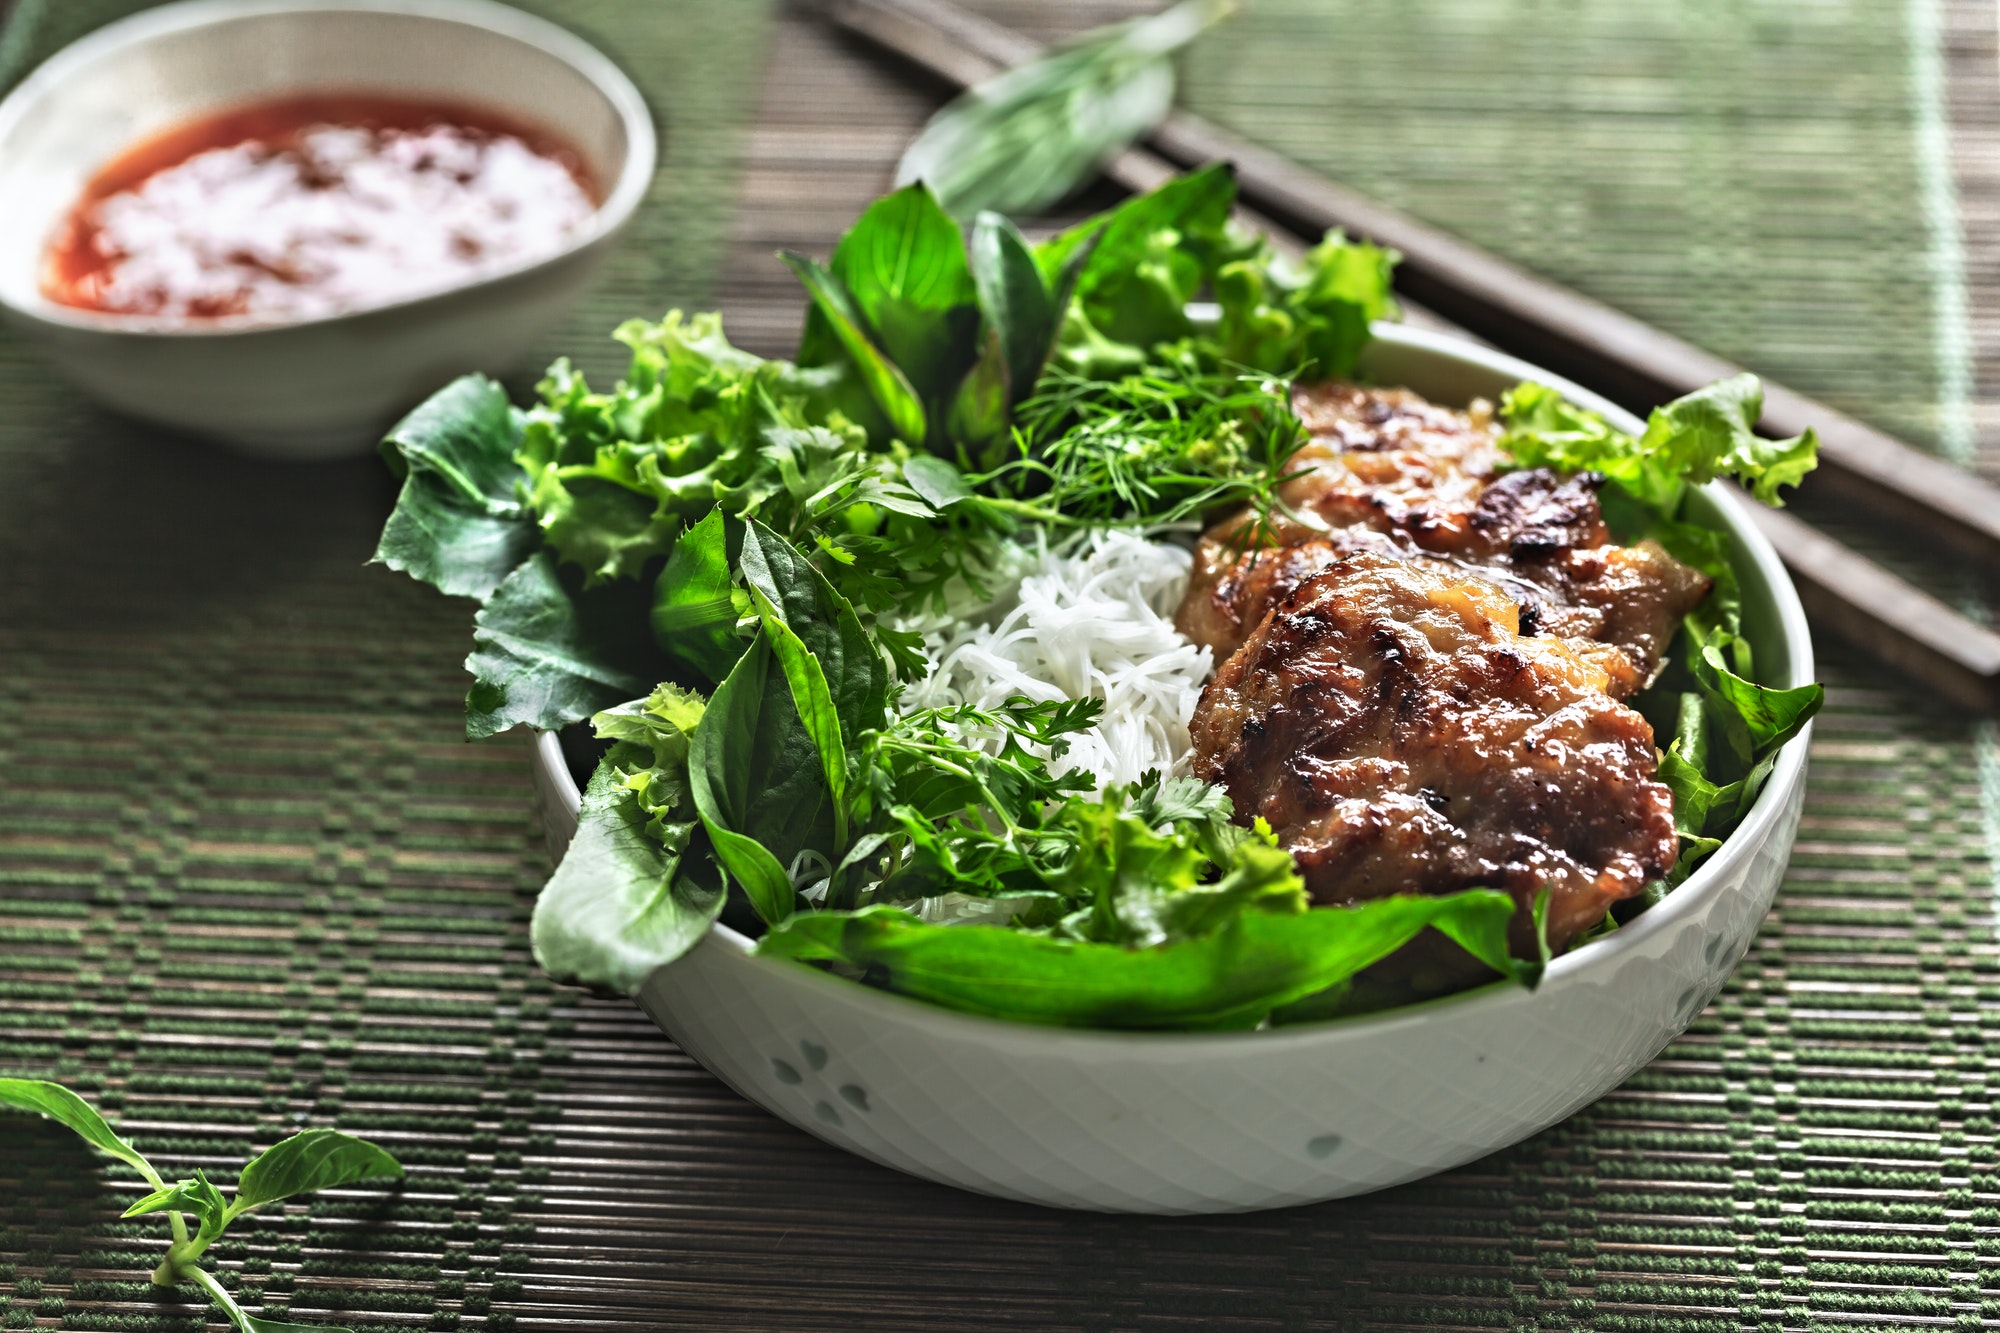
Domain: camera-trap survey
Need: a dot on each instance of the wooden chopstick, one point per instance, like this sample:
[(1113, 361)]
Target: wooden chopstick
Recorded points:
[(1628, 361)]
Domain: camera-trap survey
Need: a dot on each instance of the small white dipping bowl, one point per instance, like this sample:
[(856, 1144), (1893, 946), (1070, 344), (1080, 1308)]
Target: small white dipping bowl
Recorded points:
[(325, 387), (1225, 1122)]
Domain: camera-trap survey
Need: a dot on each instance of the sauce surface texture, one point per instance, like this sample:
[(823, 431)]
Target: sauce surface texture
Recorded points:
[(301, 208)]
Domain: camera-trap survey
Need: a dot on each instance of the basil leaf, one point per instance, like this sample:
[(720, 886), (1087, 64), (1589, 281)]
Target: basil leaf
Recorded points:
[(630, 896), (814, 699), (758, 781), (825, 621), (1015, 300), (694, 608), (1031, 135), (889, 387), (315, 1159), (903, 265), (1230, 977), (458, 524), (548, 652), (197, 1196), (1151, 255), (60, 1104), (977, 420)]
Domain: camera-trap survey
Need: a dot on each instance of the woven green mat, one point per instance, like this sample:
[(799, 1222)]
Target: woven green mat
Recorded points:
[(251, 876), (1770, 180)]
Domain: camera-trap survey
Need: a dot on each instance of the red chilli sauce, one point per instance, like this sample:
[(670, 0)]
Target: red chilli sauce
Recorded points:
[(305, 207)]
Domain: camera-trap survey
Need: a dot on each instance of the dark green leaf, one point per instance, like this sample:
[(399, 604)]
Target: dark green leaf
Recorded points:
[(825, 621), (548, 652), (1015, 300), (903, 266), (758, 781), (813, 698), (1230, 977), (887, 384), (694, 607), (458, 524), (977, 421), (625, 899), (60, 1104), (316, 1159)]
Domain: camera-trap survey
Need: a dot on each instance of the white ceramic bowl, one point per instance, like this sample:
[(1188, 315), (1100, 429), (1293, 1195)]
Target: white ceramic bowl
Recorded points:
[(1169, 1123), (323, 387)]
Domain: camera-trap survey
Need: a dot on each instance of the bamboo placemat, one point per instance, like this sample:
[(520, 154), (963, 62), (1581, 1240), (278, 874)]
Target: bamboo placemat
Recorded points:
[(250, 877)]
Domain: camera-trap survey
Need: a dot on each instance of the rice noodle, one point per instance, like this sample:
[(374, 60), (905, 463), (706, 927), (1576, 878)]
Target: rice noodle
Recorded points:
[(1092, 617)]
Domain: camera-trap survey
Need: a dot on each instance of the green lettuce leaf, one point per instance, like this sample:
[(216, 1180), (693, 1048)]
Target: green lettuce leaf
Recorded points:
[(1691, 441), (632, 893), (613, 478), (1312, 317), (459, 524), (548, 651)]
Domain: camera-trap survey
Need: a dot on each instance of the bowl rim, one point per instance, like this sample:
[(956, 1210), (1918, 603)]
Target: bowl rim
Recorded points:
[(627, 192), (1691, 898)]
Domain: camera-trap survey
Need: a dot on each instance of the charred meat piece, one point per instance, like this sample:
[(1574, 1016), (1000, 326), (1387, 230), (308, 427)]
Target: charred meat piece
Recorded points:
[(1401, 736), (1387, 472)]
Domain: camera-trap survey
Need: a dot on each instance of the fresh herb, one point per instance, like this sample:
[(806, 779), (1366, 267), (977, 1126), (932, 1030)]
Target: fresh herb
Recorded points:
[(1029, 136), (1726, 729), (767, 537), (1157, 447), (315, 1159)]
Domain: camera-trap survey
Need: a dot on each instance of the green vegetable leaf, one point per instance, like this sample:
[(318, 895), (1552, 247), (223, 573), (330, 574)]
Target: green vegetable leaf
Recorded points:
[(1033, 134), (1015, 299), (977, 420), (903, 265), (548, 652), (825, 621), (887, 384), (1312, 317), (315, 1159), (1689, 442), (1230, 977), (813, 698), (758, 781), (939, 483), (627, 898), (197, 1196), (1151, 255), (458, 525), (1712, 432), (60, 1104), (694, 607)]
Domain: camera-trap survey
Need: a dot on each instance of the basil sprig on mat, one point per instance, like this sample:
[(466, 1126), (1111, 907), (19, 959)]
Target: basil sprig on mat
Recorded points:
[(315, 1159)]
